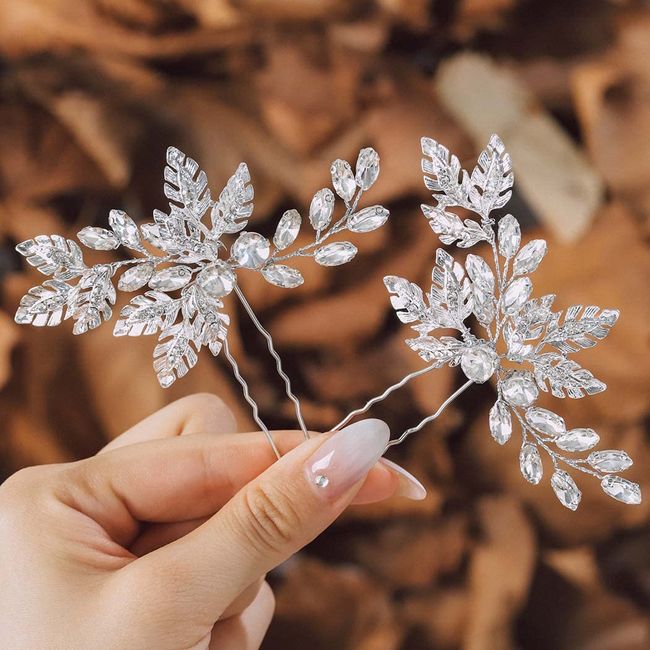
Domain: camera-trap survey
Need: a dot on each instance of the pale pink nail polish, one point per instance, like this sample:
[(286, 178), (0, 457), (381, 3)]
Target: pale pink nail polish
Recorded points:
[(409, 486), (346, 457)]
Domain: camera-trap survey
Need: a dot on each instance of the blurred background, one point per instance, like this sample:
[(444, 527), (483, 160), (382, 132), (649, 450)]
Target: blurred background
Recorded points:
[(91, 94)]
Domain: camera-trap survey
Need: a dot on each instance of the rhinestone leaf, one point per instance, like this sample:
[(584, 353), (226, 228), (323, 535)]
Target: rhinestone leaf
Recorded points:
[(99, 239), (480, 273), (343, 179), (500, 422), (565, 489), (125, 229), (136, 277), (578, 440), (479, 363), (335, 254), (320, 210), (545, 421), (151, 233), (368, 219), (529, 257), (175, 277), (519, 389), (621, 489), (217, 280), (610, 460), (287, 230), (516, 295), (367, 168), (251, 250), (530, 463), (282, 276), (509, 236)]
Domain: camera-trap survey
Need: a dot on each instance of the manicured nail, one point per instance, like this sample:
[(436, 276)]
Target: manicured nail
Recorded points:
[(347, 457), (408, 486)]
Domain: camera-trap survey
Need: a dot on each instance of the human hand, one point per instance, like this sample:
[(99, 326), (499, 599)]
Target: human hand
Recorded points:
[(163, 539)]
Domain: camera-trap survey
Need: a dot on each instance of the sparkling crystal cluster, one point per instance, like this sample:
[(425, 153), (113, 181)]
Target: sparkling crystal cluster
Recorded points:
[(183, 262), (523, 342)]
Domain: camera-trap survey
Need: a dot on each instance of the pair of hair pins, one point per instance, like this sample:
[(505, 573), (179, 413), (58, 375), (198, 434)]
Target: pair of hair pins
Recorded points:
[(521, 341)]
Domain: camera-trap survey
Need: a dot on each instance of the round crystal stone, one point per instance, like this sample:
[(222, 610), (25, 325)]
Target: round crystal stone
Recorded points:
[(519, 389), (217, 280), (321, 481), (479, 363), (251, 250)]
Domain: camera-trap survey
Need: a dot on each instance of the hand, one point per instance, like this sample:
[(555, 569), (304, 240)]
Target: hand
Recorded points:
[(163, 539)]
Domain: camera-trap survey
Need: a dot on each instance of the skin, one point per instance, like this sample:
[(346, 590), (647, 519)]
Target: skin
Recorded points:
[(163, 539)]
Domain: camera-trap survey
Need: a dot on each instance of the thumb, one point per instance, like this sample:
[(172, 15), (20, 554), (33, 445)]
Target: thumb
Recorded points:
[(267, 521)]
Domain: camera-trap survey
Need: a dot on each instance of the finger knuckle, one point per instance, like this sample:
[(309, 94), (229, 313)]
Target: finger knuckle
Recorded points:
[(210, 405)]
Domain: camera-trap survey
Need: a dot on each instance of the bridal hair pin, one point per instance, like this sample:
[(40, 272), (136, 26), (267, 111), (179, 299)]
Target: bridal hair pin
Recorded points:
[(515, 328), (187, 258)]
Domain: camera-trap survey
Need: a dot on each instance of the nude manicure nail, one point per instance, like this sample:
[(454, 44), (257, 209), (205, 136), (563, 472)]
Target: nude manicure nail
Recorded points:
[(408, 486), (346, 457)]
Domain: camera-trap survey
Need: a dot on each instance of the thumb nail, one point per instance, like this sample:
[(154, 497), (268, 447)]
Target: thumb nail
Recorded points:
[(408, 485), (346, 457)]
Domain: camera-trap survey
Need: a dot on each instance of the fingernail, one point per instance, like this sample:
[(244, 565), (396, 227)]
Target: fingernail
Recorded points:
[(408, 486), (347, 457)]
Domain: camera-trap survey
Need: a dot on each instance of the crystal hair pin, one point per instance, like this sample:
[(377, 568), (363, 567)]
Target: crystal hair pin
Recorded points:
[(536, 340), (182, 255)]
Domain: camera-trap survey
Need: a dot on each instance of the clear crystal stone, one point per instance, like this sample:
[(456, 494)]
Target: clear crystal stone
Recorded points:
[(322, 481), (320, 210), (135, 277), (545, 421), (500, 422), (480, 273), (217, 280), (282, 276), (171, 279), (530, 463), (151, 232), (125, 228), (609, 460), (509, 236), (367, 168), (516, 295), (99, 239), (368, 219), (565, 489), (479, 363), (519, 388), (335, 254), (287, 230), (251, 250), (578, 440), (343, 179), (622, 489), (529, 257)]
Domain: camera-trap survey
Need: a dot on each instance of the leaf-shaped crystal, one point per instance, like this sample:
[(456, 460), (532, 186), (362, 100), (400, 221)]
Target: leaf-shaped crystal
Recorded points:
[(99, 239), (509, 236), (136, 277), (565, 489), (368, 219), (217, 280), (480, 273), (320, 210), (516, 295), (335, 254), (175, 277), (578, 440), (529, 257), (367, 168), (125, 228), (231, 212), (545, 421), (519, 388), (621, 489), (251, 250), (530, 463), (287, 230), (343, 179), (500, 422), (609, 460), (479, 363), (282, 276)]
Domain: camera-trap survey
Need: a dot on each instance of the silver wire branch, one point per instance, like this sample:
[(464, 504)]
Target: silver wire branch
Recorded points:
[(278, 361), (384, 395), (248, 398), (430, 418)]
